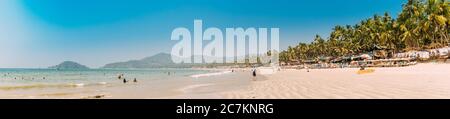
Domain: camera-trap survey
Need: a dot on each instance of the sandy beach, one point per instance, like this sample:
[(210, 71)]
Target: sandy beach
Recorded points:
[(424, 80), (430, 80)]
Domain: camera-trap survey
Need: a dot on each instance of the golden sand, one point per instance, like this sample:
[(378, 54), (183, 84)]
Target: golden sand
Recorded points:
[(419, 81)]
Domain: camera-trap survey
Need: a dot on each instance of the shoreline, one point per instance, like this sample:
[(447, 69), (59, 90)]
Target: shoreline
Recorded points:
[(165, 87), (423, 80), (427, 80)]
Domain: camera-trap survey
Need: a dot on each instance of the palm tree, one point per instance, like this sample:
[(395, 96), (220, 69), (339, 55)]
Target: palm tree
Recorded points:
[(283, 57), (301, 50), (319, 46), (408, 20), (435, 24), (291, 54), (421, 24)]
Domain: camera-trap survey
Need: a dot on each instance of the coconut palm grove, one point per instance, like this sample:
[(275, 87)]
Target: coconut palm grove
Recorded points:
[(422, 25)]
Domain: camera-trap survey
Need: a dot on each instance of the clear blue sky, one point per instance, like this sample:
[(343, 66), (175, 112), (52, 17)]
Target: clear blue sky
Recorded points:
[(40, 33)]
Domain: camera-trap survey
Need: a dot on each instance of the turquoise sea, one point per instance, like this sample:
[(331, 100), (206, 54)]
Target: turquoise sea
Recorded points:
[(90, 76), (104, 83)]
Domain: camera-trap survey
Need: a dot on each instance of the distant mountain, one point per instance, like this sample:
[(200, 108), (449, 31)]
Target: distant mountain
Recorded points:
[(164, 60), (161, 60), (69, 65)]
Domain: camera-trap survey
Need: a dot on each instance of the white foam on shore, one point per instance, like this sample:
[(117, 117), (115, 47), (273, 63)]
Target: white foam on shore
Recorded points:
[(78, 84), (210, 74)]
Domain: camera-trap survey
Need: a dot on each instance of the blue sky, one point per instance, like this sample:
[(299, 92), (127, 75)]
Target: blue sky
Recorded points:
[(40, 33)]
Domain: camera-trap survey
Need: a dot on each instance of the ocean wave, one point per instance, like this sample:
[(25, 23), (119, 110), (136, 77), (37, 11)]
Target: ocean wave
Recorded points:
[(210, 74), (63, 85)]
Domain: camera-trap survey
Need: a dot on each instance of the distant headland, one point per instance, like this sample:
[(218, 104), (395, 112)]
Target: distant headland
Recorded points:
[(69, 65)]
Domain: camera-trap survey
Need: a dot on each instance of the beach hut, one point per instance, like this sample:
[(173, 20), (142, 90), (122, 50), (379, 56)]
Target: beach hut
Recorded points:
[(366, 56), (423, 55), (399, 55), (347, 59), (443, 52), (324, 59), (382, 52), (412, 54), (433, 52), (439, 53), (361, 57), (309, 61)]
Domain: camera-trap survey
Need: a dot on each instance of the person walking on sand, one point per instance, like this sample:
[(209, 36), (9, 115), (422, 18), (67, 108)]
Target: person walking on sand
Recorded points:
[(307, 68), (254, 74), (362, 67)]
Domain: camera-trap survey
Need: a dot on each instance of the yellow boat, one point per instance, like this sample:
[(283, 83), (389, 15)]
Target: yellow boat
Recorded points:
[(366, 71)]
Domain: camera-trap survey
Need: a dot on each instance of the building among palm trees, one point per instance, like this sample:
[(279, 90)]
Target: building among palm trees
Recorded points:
[(420, 33)]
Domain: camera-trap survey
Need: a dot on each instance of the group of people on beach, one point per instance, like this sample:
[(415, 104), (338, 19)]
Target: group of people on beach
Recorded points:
[(121, 76)]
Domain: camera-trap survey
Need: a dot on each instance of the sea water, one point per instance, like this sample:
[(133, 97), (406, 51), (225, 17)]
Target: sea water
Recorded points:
[(22, 77), (152, 83)]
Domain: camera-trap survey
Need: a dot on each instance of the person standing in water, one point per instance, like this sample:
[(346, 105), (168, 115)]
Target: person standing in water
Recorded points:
[(120, 76), (125, 80), (135, 80)]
